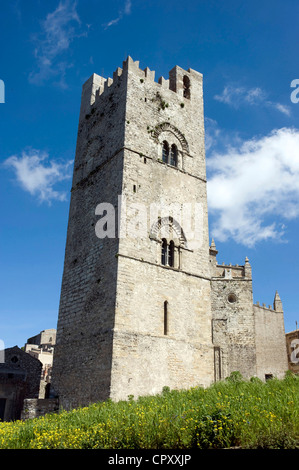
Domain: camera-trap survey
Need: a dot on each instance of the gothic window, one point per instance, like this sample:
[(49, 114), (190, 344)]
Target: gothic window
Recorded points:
[(170, 154), (170, 238), (186, 87), (165, 152), (174, 155), (164, 252)]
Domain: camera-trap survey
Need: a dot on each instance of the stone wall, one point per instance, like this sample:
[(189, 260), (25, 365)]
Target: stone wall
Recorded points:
[(247, 337), (83, 351), (233, 326), (19, 379), (130, 323), (270, 343), (36, 407), (114, 290)]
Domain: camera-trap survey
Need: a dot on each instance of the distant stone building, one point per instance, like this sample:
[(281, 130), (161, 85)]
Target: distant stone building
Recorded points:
[(144, 303), (19, 379), (247, 337), (41, 347), (292, 339)]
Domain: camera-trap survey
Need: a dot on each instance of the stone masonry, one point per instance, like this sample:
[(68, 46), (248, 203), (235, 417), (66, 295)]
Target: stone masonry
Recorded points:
[(144, 303)]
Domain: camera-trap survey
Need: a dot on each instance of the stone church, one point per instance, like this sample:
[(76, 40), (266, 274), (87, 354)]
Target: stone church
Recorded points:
[(144, 303)]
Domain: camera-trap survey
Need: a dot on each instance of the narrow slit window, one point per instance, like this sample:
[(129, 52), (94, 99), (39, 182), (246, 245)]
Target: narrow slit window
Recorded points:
[(165, 317)]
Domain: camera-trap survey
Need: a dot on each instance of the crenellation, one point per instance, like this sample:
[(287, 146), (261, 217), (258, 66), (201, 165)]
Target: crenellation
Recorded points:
[(96, 86), (133, 66), (163, 82), (149, 74), (117, 73), (267, 307), (234, 270), (108, 83)]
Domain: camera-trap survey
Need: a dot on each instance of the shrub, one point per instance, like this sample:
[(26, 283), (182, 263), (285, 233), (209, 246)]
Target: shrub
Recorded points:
[(232, 412)]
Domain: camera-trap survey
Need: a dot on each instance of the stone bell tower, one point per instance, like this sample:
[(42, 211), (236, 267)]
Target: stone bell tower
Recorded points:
[(135, 308)]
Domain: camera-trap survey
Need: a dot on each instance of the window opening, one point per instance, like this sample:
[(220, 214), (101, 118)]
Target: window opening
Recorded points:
[(164, 254), (171, 254), (165, 317), (2, 408), (186, 87), (174, 155), (232, 298), (165, 152)]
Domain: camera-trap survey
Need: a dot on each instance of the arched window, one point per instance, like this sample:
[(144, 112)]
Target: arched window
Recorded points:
[(165, 317), (174, 155), (167, 253), (165, 152), (171, 254), (186, 86), (170, 239), (164, 252)]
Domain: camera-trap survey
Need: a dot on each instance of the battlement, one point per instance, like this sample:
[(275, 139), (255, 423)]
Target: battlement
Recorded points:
[(277, 305), (180, 81), (229, 271), (263, 305)]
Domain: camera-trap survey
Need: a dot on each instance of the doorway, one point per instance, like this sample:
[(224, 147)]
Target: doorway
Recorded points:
[(2, 408)]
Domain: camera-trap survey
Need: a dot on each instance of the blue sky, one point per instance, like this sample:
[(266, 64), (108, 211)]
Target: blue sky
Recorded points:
[(248, 55)]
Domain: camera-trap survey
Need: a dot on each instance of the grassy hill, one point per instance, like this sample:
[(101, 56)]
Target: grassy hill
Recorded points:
[(234, 412)]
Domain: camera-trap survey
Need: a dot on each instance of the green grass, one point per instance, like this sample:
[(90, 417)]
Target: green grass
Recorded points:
[(234, 412)]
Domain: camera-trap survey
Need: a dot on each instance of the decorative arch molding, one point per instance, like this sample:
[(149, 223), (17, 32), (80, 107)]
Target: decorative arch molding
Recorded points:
[(166, 126), (172, 225)]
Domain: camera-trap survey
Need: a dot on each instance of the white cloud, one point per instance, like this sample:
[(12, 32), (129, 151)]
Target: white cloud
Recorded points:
[(253, 189), (58, 31), (238, 96), (280, 107), (235, 96), (125, 11), (39, 178)]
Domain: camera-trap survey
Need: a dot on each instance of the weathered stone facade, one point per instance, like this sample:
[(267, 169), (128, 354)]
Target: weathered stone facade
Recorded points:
[(247, 337), (36, 407), (19, 379), (146, 305), (42, 346)]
